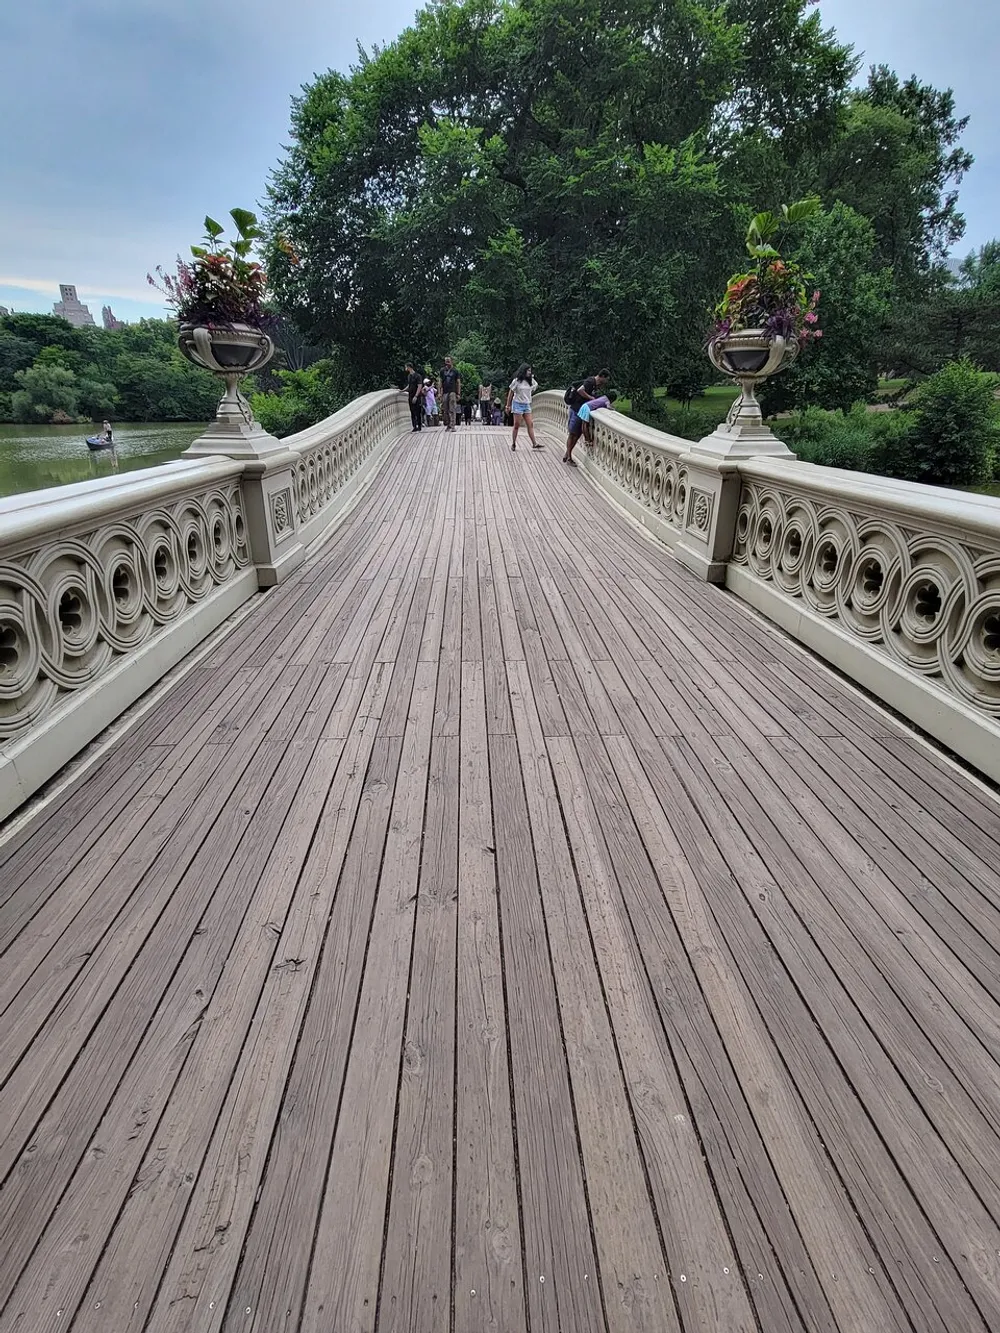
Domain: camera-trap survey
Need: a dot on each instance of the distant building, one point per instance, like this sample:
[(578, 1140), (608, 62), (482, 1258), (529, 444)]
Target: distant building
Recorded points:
[(3, 311), (108, 319), (70, 308)]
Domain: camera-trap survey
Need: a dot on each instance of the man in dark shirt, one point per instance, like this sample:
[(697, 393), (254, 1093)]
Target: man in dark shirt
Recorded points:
[(451, 388), (591, 387), (414, 395)]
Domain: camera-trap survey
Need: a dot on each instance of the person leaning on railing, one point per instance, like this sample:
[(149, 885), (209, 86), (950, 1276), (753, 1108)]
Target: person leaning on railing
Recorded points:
[(592, 387), (587, 410)]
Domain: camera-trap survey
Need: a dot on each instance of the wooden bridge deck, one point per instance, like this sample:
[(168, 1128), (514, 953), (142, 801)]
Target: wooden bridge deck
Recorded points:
[(503, 931)]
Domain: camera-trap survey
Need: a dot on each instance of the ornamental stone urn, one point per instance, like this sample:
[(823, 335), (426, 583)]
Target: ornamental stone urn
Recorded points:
[(268, 475), (231, 352), (749, 357)]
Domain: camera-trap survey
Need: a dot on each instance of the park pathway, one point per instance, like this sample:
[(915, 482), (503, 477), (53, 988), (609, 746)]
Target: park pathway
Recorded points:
[(500, 930)]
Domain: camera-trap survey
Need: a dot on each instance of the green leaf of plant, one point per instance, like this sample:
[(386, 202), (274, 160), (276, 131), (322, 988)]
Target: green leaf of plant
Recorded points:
[(198, 251), (213, 228), (246, 222), (805, 208), (763, 226)]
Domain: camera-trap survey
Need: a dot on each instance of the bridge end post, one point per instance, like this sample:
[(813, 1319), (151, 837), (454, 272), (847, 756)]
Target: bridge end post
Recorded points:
[(269, 487), (712, 496)]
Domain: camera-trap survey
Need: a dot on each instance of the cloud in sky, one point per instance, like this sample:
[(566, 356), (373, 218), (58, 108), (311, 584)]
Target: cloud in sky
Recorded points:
[(126, 121)]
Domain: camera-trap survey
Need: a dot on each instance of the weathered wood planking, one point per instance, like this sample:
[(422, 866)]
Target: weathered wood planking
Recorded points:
[(500, 929)]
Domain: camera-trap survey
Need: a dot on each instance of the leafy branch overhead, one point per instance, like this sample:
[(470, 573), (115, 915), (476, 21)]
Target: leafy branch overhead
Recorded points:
[(565, 180)]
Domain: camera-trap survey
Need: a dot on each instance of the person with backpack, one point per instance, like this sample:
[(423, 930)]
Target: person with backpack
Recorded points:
[(575, 396)]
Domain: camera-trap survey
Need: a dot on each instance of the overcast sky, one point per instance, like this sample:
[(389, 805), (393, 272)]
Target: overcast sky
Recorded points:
[(125, 121)]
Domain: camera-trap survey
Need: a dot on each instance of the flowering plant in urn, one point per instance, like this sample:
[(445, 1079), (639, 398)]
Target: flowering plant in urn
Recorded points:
[(768, 312), (218, 299)]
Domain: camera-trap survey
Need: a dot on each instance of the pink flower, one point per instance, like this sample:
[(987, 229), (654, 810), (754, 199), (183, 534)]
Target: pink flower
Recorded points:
[(815, 297), (817, 333), (811, 317)]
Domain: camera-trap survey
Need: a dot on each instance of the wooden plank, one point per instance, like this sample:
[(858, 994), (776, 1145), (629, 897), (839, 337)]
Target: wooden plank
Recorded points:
[(893, 1009), (559, 1257), (270, 1118), (344, 1278), (200, 845), (280, 1197), (415, 1286), (41, 1171), (543, 685), (448, 704), (489, 1279), (125, 1201), (809, 1191), (44, 869), (840, 1096), (61, 935), (633, 1269)]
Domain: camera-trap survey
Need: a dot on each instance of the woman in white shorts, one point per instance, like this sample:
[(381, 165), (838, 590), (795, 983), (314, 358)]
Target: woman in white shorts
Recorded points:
[(522, 386)]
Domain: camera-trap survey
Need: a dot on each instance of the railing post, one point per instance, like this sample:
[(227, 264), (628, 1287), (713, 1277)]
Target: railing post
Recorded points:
[(269, 490), (712, 500)]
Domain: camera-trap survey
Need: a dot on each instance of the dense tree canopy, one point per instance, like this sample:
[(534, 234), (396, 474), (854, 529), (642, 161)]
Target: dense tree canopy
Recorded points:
[(552, 174), (567, 180), (50, 371)]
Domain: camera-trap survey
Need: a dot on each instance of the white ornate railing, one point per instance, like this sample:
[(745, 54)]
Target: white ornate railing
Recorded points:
[(895, 584), (333, 455), (642, 469), (106, 585)]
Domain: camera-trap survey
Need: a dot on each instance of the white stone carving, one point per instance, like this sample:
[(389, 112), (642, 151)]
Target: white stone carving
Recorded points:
[(929, 601), (651, 474), (323, 468), (643, 462), (700, 519), (281, 513), (73, 606)]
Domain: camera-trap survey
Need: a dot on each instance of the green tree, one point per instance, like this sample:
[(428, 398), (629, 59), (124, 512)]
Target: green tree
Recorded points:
[(838, 250), (955, 427), (569, 214), (97, 399), (46, 393), (305, 397), (43, 330), (898, 161), (16, 353)]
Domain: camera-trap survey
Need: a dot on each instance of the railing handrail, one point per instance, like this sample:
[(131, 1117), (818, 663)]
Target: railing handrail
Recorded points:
[(942, 506), (345, 417), (60, 509)]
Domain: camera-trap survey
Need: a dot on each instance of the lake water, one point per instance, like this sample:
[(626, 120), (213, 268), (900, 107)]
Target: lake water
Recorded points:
[(33, 457)]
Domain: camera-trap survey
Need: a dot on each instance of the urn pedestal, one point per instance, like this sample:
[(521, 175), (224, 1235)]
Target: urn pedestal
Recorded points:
[(268, 481), (749, 357)]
